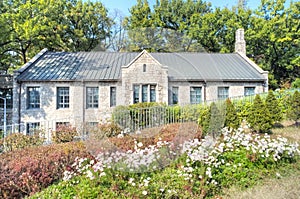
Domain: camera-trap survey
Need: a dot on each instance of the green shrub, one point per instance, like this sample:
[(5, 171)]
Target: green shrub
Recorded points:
[(296, 83), (231, 118), (274, 107), (190, 112), (27, 171), (109, 129), (243, 108), (259, 117), (173, 114), (211, 120), (64, 133), (140, 115), (203, 120), (20, 141), (294, 108)]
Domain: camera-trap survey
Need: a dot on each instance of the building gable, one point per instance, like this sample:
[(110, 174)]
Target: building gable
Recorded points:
[(144, 70)]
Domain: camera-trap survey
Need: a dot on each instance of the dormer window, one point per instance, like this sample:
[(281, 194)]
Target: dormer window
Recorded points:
[(144, 67)]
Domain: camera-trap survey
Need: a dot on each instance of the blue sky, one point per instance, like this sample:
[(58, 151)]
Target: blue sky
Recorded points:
[(124, 5)]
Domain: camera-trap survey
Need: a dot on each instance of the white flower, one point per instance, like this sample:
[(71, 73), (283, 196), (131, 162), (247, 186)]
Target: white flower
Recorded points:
[(131, 180), (144, 193), (278, 175), (140, 144), (90, 175)]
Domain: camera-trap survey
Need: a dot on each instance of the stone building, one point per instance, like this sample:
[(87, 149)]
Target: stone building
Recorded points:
[(84, 87)]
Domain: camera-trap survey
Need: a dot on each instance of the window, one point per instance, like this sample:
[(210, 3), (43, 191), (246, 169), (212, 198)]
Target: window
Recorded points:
[(92, 124), (144, 67), (33, 97), (92, 97), (223, 92), (62, 124), (7, 94), (113, 96), (195, 95), (63, 97), (32, 128), (144, 93), (174, 95), (249, 91), (136, 94), (152, 93)]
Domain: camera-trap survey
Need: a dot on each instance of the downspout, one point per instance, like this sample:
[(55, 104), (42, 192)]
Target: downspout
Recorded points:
[(204, 92), (83, 107), (19, 108)]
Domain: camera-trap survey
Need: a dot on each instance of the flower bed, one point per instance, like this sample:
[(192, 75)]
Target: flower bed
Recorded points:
[(195, 168)]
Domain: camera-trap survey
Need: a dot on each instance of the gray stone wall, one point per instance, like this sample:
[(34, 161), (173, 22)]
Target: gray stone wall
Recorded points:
[(236, 89), (77, 114), (155, 74)]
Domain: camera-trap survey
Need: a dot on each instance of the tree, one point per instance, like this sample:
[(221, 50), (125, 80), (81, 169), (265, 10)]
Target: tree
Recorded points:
[(259, 116), (216, 121), (88, 25), (116, 41), (296, 83), (274, 108), (294, 108), (212, 120), (166, 28), (273, 40), (30, 26), (231, 118)]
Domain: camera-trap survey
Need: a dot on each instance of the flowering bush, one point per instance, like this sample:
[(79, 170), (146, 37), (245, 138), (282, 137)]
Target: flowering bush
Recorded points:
[(20, 141), (27, 171), (236, 158), (198, 168), (64, 133)]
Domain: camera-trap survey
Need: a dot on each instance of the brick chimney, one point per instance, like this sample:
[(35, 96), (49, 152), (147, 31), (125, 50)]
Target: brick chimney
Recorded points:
[(240, 43)]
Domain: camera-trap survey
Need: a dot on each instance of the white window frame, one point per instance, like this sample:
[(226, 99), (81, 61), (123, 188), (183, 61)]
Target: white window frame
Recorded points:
[(195, 97), (33, 97), (139, 90), (92, 97)]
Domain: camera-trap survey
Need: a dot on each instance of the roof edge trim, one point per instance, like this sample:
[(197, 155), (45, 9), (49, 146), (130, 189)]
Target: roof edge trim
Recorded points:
[(139, 55), (252, 63), (31, 61)]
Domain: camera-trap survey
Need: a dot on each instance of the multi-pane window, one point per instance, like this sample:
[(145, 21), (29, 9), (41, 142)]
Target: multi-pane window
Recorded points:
[(195, 95), (249, 91), (32, 128), (63, 97), (174, 95), (113, 96), (92, 97), (223, 92), (152, 93), (62, 124), (136, 94), (33, 97), (144, 93), (7, 94)]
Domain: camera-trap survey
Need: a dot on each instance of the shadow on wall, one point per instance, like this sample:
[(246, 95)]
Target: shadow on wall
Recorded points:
[(46, 99)]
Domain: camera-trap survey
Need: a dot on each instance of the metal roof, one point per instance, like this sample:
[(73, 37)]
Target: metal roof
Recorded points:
[(65, 66)]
